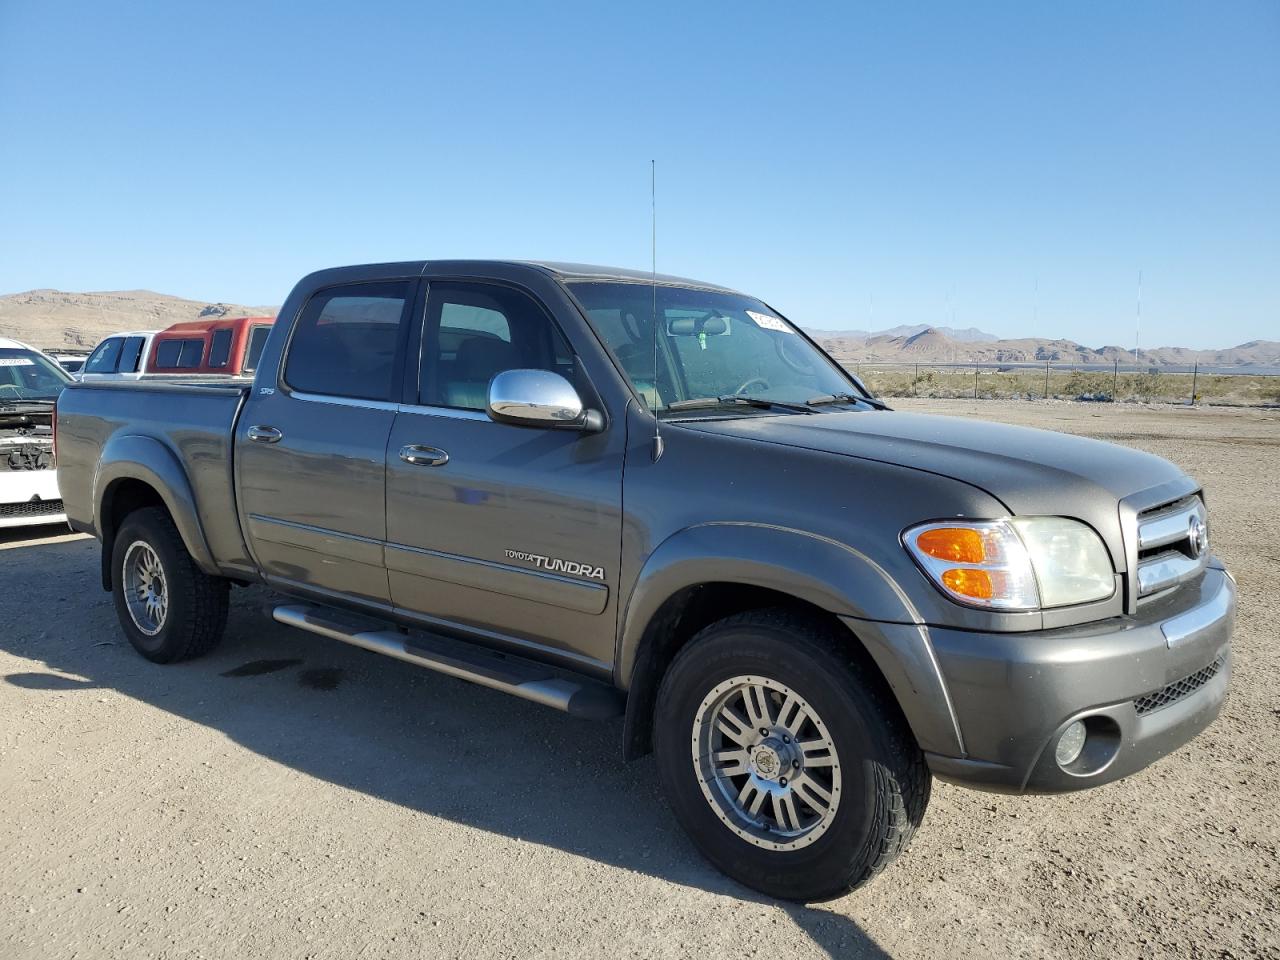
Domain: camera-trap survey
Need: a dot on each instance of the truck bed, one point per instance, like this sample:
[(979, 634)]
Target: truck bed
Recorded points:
[(193, 421)]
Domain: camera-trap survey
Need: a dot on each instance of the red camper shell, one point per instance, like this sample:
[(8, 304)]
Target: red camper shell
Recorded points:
[(227, 347)]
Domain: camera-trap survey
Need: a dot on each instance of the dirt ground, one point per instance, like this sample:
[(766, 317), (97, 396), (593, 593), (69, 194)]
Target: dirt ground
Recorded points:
[(288, 796)]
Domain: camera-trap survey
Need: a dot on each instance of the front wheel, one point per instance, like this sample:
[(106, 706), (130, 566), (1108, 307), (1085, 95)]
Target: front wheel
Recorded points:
[(169, 608), (785, 758)]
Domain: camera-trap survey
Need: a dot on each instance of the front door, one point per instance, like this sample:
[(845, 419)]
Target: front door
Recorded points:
[(312, 450), (506, 529)]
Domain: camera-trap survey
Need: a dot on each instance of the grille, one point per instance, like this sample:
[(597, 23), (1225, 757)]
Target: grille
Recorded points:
[(1178, 690), (32, 508), (1168, 551)]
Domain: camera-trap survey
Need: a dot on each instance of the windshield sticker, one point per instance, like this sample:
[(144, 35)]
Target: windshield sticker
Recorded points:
[(766, 322), (16, 362)]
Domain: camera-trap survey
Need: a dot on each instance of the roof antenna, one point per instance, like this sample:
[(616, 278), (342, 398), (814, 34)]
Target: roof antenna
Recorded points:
[(653, 274)]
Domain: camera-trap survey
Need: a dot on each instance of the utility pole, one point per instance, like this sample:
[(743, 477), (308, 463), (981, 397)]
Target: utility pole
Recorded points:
[(1137, 329)]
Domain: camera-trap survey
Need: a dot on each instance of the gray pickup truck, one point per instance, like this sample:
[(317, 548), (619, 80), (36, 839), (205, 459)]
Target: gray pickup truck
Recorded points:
[(616, 493)]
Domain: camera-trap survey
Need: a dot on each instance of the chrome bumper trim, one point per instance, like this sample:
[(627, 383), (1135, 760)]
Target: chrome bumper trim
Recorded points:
[(1183, 627)]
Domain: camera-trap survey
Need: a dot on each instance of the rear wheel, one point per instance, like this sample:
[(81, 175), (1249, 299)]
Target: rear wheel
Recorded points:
[(170, 609), (785, 757)]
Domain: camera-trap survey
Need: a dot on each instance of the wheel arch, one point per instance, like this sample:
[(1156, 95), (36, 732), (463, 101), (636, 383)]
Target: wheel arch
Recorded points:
[(712, 571), (137, 471)]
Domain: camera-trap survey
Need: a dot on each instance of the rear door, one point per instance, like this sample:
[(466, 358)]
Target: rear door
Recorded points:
[(311, 451), (506, 529)]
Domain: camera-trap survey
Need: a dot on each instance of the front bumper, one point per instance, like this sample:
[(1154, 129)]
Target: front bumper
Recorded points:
[(1144, 685), (30, 497)]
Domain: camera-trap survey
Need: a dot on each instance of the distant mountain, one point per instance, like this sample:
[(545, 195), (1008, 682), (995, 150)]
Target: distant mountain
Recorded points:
[(935, 346), (57, 320), (967, 335)]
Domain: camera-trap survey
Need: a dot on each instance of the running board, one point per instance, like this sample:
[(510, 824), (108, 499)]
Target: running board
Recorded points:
[(577, 696)]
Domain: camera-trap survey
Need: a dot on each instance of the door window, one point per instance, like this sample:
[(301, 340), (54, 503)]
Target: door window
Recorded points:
[(347, 340), (105, 357), (131, 354), (477, 330)]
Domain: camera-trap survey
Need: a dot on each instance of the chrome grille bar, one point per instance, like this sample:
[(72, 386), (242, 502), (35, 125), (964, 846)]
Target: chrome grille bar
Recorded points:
[(1167, 552), (1168, 524), (1167, 570)]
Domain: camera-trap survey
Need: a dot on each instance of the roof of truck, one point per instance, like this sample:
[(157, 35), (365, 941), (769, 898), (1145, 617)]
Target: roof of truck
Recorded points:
[(213, 323), (589, 271), (354, 273)]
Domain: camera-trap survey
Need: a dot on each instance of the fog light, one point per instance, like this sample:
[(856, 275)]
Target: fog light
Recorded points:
[(1070, 744)]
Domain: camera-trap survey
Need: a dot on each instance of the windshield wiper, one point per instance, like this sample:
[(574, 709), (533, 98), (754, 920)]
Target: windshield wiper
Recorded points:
[(846, 398), (764, 403)]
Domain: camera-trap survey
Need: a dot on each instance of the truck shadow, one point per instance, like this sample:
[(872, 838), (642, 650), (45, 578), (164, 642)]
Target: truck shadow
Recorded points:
[(426, 742), (14, 538)]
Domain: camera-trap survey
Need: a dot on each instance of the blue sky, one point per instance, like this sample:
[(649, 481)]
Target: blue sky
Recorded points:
[(1008, 166)]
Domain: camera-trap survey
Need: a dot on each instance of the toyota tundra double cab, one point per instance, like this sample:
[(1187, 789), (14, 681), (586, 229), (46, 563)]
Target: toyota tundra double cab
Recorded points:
[(619, 493)]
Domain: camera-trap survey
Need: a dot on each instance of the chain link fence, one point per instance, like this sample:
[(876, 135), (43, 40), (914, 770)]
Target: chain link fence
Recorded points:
[(1238, 386)]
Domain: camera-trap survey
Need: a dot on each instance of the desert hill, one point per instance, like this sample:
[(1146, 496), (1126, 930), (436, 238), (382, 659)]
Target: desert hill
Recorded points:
[(55, 320), (965, 335), (934, 346)]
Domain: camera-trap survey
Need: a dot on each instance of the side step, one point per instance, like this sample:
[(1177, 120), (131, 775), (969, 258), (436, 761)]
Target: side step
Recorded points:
[(578, 696)]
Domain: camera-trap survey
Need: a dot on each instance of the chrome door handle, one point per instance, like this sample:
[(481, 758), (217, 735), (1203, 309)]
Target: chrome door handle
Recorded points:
[(421, 456), (264, 434)]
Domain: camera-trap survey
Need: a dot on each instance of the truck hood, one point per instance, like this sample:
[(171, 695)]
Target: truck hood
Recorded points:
[(1030, 471)]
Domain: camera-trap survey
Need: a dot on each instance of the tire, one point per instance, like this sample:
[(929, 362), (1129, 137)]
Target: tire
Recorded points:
[(874, 774), (169, 609)]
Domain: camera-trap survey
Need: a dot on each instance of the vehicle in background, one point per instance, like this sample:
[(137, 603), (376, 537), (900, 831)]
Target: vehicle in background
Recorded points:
[(122, 356), (73, 363), (30, 383), (226, 347)]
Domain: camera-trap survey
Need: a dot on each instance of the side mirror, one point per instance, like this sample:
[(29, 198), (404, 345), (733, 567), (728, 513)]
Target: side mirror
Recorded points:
[(539, 398)]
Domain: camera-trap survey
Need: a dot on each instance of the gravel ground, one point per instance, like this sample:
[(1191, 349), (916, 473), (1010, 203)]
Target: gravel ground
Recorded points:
[(292, 797)]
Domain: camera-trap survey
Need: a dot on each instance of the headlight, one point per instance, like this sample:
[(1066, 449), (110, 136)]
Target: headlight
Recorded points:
[(1024, 563)]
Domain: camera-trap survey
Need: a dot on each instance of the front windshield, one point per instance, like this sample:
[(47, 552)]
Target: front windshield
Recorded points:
[(27, 375), (710, 345)]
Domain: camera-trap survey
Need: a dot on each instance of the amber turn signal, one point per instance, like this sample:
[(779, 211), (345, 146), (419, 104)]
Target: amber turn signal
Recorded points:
[(969, 583), (956, 544), (982, 562)]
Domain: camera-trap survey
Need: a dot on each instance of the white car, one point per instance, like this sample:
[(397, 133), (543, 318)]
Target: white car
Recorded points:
[(30, 382), (122, 356), (73, 363)]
